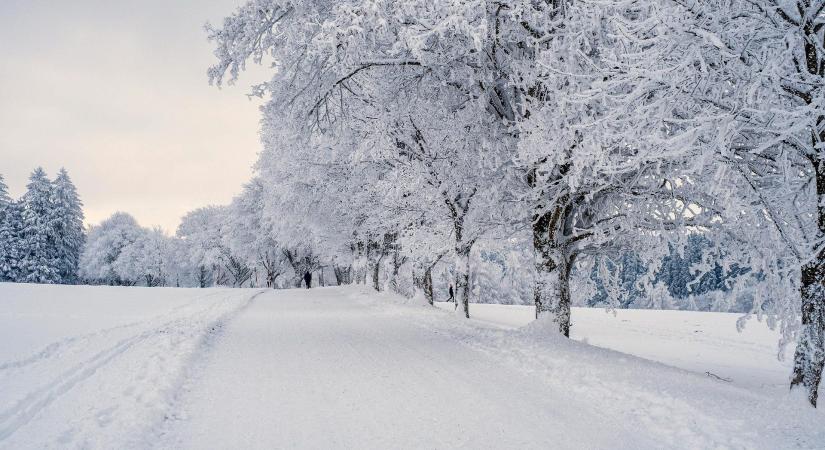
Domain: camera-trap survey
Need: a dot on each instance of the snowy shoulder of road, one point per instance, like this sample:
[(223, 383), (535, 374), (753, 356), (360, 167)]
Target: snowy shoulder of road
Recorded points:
[(703, 342), (96, 367)]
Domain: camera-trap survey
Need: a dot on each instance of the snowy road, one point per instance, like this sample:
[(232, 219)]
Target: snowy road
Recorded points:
[(95, 367), (338, 368), (315, 369)]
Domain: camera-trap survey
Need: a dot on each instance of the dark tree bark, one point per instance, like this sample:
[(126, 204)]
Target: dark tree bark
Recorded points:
[(809, 358), (342, 275), (428, 286), (462, 282), (203, 276), (458, 209), (376, 268), (397, 262), (553, 245)]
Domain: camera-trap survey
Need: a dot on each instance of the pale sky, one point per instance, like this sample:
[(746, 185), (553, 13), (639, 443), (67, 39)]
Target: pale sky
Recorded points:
[(116, 92)]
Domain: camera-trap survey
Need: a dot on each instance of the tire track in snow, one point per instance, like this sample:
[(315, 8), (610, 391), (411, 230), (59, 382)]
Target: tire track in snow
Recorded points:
[(55, 348), (192, 368), (25, 409)]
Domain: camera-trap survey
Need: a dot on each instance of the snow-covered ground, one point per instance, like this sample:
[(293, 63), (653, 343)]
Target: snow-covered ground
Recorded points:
[(701, 342), (97, 367), (93, 367)]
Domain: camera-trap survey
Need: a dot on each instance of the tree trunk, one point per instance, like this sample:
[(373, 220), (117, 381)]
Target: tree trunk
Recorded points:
[(347, 274), (397, 262), (553, 263), (376, 271), (809, 358), (203, 276), (810, 351), (394, 279), (552, 291), (428, 285), (462, 283)]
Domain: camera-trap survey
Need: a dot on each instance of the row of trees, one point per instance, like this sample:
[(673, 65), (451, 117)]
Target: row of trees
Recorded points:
[(41, 234), (401, 136), (211, 248)]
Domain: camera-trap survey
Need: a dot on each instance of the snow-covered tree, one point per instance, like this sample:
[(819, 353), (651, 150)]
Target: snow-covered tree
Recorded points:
[(202, 232), (399, 101), (10, 245), (149, 259), (395, 130), (68, 222), (251, 236), (727, 95), (104, 245), (39, 261)]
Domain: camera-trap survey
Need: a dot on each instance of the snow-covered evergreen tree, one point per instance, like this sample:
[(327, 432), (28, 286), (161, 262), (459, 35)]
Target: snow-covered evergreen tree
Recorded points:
[(9, 235), (39, 263), (68, 225)]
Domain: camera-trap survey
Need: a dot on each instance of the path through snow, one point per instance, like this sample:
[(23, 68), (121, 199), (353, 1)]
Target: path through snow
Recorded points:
[(338, 368)]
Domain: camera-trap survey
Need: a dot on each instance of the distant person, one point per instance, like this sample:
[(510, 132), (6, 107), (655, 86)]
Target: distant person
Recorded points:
[(452, 296), (308, 279)]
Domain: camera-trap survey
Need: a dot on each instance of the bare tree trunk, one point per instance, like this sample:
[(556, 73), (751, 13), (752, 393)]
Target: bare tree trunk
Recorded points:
[(562, 307), (427, 281), (203, 276), (809, 358), (462, 283), (376, 267), (428, 285), (343, 275), (553, 262), (394, 279), (376, 270), (552, 291), (397, 262)]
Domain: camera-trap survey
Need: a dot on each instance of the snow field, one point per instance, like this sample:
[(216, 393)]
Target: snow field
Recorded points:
[(88, 367)]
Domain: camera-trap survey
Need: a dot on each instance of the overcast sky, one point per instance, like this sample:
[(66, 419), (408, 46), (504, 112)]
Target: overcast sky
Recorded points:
[(116, 92)]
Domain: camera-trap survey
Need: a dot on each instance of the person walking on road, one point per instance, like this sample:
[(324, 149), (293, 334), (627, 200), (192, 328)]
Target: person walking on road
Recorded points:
[(308, 279)]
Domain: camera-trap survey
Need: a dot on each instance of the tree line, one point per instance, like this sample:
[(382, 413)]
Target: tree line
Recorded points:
[(400, 137), (41, 233)]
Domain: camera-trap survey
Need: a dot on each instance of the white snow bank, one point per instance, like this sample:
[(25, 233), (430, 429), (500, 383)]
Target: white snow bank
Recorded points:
[(701, 342)]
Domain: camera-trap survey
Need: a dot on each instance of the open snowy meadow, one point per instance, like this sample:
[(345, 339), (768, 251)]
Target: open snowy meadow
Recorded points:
[(346, 367)]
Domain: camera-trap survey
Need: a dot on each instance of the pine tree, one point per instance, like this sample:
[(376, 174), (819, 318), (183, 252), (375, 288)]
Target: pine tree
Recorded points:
[(68, 227), (39, 258), (4, 194), (9, 235)]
